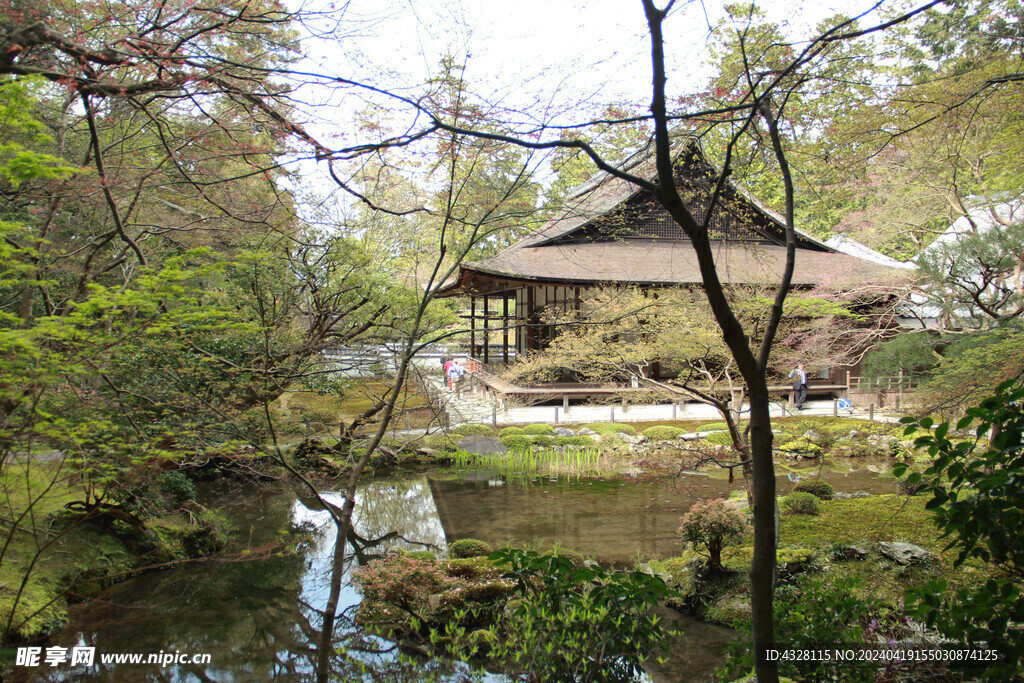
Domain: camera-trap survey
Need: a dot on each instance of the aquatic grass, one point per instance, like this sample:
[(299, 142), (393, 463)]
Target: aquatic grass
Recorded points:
[(573, 462)]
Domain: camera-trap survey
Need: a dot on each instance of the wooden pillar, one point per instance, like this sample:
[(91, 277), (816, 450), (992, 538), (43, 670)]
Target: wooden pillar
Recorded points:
[(472, 326), (504, 329), (487, 324), (530, 329)]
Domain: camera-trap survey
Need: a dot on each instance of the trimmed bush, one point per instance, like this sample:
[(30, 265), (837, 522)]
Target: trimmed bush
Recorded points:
[(662, 433), (469, 547), (543, 441), (801, 503), (176, 485), (507, 431), (820, 489), (473, 430), (517, 441), (719, 438), (611, 428), (539, 429)]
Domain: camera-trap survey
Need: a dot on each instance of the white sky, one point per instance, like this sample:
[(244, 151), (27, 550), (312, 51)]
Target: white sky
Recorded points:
[(554, 59)]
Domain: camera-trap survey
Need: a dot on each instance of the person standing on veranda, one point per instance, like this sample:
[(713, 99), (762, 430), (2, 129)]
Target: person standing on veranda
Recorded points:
[(799, 377)]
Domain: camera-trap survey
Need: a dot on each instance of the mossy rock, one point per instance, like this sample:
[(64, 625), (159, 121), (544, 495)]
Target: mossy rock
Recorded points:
[(818, 488), (611, 428), (469, 547), (794, 561), (803, 448), (439, 442), (663, 433), (507, 431), (578, 440), (473, 430), (539, 430)]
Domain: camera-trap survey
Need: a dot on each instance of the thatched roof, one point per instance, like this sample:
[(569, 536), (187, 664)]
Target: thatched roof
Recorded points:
[(614, 232)]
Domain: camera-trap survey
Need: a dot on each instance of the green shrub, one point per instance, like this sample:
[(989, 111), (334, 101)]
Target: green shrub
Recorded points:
[(576, 558), (611, 428), (576, 624), (469, 547), (473, 430), (718, 426), (511, 430), (517, 441), (719, 438), (546, 430), (177, 486), (801, 503), (662, 433), (543, 441), (818, 488), (709, 526)]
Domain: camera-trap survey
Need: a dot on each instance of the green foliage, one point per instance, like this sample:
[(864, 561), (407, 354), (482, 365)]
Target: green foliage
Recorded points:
[(176, 485), (800, 503), (508, 431), (572, 623), (978, 503), (816, 487), (469, 547), (539, 429), (473, 430), (710, 525), (812, 614), (909, 353), (663, 433), (602, 428), (542, 441)]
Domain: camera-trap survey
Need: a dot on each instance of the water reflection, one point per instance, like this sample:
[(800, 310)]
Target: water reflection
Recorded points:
[(265, 619)]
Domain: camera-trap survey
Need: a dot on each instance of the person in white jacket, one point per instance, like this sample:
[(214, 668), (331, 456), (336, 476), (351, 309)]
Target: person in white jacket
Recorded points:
[(799, 377)]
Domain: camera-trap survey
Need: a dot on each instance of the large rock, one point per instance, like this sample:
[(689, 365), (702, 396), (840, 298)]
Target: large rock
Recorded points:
[(905, 553), (632, 439), (586, 431), (564, 431), (484, 445)]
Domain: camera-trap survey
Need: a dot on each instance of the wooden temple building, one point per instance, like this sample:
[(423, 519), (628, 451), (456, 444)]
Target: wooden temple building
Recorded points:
[(614, 233)]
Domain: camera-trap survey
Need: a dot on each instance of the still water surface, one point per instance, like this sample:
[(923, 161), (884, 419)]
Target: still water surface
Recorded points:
[(262, 619)]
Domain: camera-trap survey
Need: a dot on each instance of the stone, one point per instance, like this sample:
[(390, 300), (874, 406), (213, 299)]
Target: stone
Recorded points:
[(905, 553), (564, 431), (693, 436), (814, 436), (846, 553), (856, 434), (843, 495), (483, 445), (631, 471), (632, 439), (586, 431)]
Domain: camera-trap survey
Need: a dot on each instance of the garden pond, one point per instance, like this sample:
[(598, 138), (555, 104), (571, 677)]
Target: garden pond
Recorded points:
[(257, 613)]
